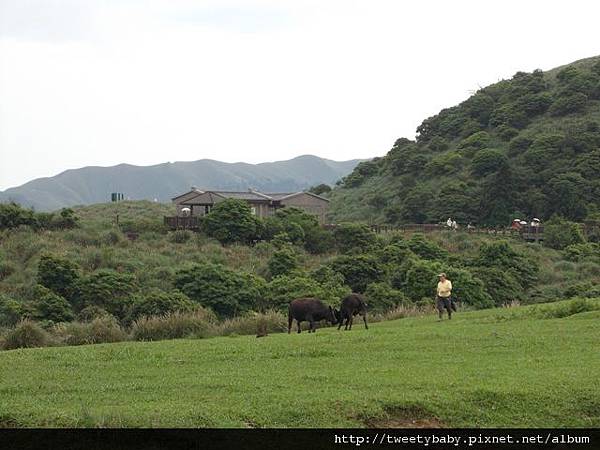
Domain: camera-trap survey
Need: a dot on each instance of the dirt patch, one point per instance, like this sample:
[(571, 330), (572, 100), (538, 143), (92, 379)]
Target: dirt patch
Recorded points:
[(404, 417)]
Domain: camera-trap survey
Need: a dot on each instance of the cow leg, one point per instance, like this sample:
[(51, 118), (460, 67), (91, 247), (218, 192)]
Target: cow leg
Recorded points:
[(312, 326), (365, 320), (290, 320), (351, 321), (299, 327), (347, 322), (341, 323)]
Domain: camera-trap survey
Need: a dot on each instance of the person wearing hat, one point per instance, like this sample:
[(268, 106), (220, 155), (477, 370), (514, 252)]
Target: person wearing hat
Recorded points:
[(444, 291)]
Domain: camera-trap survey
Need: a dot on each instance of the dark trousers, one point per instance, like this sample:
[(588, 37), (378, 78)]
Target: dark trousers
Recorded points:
[(444, 303)]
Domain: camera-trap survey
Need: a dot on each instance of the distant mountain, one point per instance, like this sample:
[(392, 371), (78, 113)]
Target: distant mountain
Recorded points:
[(520, 148), (163, 181)]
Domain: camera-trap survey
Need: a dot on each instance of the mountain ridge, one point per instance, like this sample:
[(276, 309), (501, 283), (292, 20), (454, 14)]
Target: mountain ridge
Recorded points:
[(93, 184)]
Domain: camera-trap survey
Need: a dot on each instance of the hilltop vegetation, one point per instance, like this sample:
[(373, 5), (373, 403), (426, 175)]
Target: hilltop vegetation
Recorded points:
[(524, 147), (517, 367)]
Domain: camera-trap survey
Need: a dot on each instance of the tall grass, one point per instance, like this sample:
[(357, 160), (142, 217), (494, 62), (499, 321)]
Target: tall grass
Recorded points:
[(200, 323)]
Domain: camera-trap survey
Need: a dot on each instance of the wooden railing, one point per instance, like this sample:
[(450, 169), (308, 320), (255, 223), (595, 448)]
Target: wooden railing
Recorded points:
[(182, 222)]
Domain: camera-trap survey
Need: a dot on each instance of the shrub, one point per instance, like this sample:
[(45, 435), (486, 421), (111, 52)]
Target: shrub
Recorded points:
[(578, 252), (232, 221), (200, 323), (11, 311), (283, 289), (226, 292), (468, 289), (382, 297), (7, 268), (358, 271), (283, 261), (89, 313), (26, 334), (159, 303), (269, 322), (107, 289), (421, 279), (50, 306), (58, 274), (354, 237), (502, 256), (426, 248), (560, 233), (99, 330), (501, 285), (180, 236), (318, 240)]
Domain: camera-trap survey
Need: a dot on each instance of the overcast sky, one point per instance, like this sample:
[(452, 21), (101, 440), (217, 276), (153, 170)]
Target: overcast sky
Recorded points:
[(86, 82)]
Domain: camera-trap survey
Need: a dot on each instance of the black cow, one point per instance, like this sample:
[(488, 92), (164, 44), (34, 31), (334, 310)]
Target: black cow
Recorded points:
[(352, 305), (311, 310)]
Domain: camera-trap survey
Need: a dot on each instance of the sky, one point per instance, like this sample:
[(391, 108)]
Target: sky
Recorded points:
[(104, 82)]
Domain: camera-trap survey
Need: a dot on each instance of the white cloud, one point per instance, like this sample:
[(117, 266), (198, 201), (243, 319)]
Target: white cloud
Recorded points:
[(143, 82)]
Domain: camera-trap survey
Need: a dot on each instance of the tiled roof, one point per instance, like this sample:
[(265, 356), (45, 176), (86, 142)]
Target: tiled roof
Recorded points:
[(242, 195)]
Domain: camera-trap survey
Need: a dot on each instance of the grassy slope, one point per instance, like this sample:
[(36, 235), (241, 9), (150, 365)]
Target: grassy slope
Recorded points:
[(486, 368)]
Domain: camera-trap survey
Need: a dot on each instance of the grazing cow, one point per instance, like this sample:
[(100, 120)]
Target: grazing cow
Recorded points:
[(311, 310), (352, 305)]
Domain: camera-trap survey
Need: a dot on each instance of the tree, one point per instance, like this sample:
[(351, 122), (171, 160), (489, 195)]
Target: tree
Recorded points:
[(416, 204), (488, 161), (11, 311), (58, 274), (358, 271), (354, 237), (468, 289), (283, 262), (320, 189), (569, 104), (425, 248), (421, 280), (502, 256), (382, 297), (232, 221), (568, 194), (228, 293)]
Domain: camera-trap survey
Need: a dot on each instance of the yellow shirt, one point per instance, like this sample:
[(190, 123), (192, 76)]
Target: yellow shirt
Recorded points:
[(444, 288)]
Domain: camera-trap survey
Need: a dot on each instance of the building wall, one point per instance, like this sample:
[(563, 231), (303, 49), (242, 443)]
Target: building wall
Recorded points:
[(308, 203)]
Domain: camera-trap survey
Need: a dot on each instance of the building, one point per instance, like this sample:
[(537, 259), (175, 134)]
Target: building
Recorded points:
[(197, 202)]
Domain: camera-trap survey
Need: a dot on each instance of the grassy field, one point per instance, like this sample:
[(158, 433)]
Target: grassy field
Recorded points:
[(527, 366)]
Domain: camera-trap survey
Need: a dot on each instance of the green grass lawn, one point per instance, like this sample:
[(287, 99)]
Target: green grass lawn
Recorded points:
[(482, 369)]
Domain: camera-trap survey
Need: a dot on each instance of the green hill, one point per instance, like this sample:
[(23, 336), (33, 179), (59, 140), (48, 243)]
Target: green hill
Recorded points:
[(163, 181), (524, 147), (496, 368)]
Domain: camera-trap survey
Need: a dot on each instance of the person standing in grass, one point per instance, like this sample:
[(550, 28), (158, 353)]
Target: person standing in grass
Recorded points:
[(444, 292)]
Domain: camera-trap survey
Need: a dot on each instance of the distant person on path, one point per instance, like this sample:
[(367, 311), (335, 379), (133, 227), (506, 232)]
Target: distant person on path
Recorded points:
[(449, 222), (444, 292), (454, 225)]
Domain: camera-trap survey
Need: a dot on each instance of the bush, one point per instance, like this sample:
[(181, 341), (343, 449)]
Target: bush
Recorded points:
[(180, 236), (283, 262), (89, 313), (58, 274), (107, 289), (421, 280), (283, 289), (425, 248), (381, 297), (354, 237), (200, 323), (7, 268), (358, 271), (318, 240), (502, 286), (100, 330), (26, 334), (560, 233), (502, 256), (232, 221), (159, 303), (11, 311), (50, 306), (581, 251), (569, 104), (226, 292), (253, 323), (468, 289)]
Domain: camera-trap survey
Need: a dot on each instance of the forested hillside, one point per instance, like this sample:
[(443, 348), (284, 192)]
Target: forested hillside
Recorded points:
[(524, 147)]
